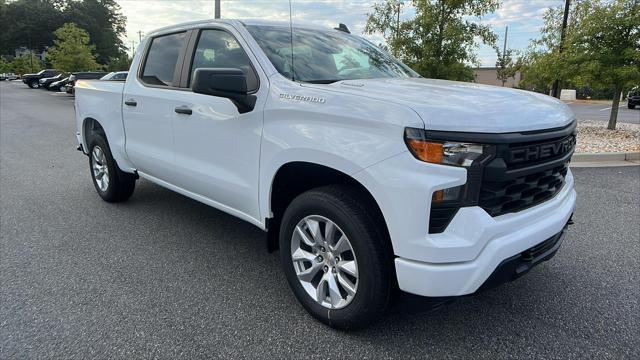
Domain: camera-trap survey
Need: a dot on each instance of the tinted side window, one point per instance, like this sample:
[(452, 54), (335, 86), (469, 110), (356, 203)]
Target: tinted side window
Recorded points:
[(219, 49), (160, 64)]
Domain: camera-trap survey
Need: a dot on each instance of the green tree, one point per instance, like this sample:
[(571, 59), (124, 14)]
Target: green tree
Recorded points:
[(31, 23), (72, 51), (4, 65), (120, 63), (440, 40), (605, 49), (601, 48), (506, 65), (28, 23), (104, 22), (27, 64)]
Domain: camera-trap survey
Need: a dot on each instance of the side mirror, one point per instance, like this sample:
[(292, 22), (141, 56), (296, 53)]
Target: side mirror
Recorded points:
[(227, 83)]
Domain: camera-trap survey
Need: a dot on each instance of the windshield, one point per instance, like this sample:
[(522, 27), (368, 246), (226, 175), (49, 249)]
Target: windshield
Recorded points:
[(325, 56)]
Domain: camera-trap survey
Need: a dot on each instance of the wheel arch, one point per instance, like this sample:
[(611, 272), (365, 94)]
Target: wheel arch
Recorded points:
[(91, 127), (286, 186)]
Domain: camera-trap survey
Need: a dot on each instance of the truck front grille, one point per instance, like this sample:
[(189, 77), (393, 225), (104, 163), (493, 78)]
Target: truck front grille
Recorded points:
[(515, 182), (502, 197)]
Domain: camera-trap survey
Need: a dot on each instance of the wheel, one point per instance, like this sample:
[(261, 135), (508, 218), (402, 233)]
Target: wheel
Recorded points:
[(631, 106), (34, 84), (61, 88), (111, 183), (337, 259)]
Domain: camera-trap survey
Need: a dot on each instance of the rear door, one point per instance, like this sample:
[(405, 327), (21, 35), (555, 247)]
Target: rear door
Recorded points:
[(217, 148), (149, 99)]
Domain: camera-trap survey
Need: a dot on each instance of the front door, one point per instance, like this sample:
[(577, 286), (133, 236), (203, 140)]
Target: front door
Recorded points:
[(217, 150)]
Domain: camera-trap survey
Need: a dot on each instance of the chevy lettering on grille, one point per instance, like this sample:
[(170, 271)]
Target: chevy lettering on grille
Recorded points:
[(541, 151)]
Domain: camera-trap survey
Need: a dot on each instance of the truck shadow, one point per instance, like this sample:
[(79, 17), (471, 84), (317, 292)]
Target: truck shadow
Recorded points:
[(221, 236)]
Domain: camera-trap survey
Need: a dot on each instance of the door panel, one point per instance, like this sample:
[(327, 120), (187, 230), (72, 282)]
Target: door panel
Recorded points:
[(149, 101), (217, 150)]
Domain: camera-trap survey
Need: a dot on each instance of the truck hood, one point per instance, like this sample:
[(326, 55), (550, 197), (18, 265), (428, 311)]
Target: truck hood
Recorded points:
[(458, 106)]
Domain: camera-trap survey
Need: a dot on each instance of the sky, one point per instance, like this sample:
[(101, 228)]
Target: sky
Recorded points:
[(523, 17)]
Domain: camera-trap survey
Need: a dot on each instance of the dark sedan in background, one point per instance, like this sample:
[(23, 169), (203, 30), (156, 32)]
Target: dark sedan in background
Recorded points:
[(92, 75), (33, 80), (633, 98)]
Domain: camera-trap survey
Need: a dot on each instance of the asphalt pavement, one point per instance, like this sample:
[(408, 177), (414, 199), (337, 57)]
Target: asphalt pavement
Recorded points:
[(602, 111), (163, 276)]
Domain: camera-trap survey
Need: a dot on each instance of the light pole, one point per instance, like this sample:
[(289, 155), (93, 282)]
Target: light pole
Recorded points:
[(556, 84), (217, 9)]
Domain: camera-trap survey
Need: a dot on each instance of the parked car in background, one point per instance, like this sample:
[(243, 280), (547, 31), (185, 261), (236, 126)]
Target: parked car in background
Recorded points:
[(33, 80), (115, 76), (633, 97), (58, 85), (45, 82), (8, 76), (89, 75)]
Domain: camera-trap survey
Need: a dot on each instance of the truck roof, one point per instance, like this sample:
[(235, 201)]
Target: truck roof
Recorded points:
[(244, 22)]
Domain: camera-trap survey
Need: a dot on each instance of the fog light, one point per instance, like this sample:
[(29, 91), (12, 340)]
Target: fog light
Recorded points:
[(450, 194)]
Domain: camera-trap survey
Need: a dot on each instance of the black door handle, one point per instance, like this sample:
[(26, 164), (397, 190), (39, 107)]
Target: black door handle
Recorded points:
[(130, 102), (183, 110)]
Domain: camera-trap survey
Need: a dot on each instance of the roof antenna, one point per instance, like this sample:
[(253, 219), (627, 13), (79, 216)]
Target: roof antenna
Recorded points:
[(293, 76)]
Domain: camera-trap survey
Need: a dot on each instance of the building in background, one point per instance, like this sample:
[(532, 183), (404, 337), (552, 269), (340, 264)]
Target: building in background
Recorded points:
[(489, 76), (23, 51)]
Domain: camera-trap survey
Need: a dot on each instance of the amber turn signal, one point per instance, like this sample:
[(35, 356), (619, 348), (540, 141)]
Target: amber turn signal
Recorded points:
[(432, 152)]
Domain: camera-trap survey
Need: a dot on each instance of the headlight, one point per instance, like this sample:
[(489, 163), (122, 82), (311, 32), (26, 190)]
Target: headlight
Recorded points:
[(445, 152), (432, 147)]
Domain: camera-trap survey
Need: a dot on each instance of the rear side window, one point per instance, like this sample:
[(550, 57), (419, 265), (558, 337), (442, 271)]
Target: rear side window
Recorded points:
[(160, 64), (219, 49)]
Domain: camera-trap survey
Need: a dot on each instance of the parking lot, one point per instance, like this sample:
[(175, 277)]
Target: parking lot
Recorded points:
[(601, 110), (163, 276)]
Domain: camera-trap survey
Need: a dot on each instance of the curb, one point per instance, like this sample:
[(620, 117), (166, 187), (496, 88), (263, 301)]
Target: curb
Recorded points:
[(605, 159)]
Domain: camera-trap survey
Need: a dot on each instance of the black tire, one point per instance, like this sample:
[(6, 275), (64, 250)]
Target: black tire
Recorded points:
[(34, 84), (353, 213), (121, 184), (631, 106)]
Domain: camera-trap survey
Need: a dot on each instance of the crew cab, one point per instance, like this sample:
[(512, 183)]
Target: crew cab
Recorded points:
[(368, 178), (33, 80)]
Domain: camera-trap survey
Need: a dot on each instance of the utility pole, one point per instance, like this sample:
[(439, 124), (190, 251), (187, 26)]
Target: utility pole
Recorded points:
[(140, 36), (396, 53), (217, 9), (556, 84), (133, 49), (504, 53), (30, 54), (504, 47)]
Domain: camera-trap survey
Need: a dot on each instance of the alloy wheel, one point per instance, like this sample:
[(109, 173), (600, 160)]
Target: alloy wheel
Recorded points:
[(324, 262), (100, 168)]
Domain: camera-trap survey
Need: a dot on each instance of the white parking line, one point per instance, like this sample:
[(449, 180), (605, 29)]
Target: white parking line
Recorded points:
[(609, 108)]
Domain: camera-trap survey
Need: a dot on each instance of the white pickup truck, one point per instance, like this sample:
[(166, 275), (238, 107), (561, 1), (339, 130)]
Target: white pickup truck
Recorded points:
[(366, 176)]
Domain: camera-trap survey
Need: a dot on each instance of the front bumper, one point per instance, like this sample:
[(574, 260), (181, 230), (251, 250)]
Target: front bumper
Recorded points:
[(520, 264), (502, 240)]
